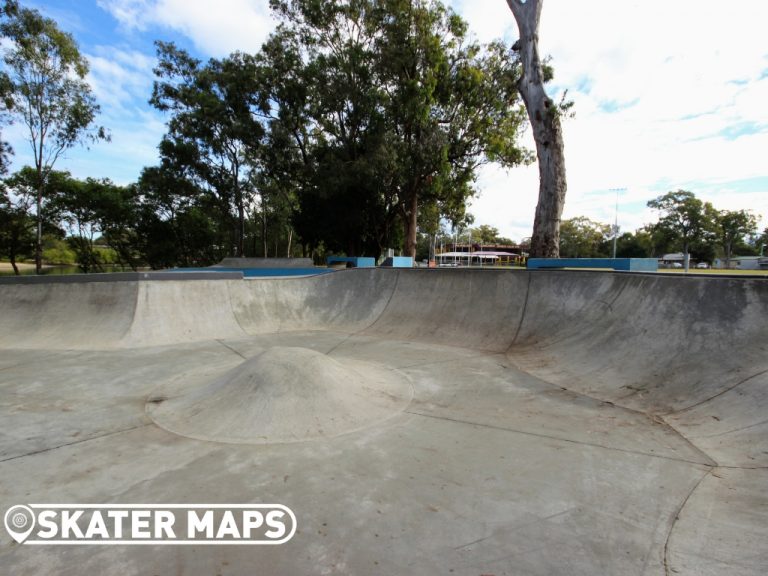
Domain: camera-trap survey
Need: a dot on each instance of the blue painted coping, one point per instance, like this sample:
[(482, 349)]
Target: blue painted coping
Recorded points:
[(627, 264), (398, 262), (358, 261), (259, 272)]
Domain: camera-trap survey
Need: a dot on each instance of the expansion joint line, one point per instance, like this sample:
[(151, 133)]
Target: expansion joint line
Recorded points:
[(43, 450), (725, 391), (228, 347), (668, 570), (372, 324), (559, 438), (522, 313)]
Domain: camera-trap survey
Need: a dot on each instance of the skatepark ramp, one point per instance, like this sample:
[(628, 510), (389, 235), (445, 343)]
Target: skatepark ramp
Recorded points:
[(621, 417)]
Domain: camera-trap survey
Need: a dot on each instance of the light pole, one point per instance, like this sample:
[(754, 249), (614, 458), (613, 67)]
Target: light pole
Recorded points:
[(616, 219)]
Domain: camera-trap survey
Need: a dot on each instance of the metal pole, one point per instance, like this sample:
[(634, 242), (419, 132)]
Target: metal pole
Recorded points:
[(616, 220), (469, 250)]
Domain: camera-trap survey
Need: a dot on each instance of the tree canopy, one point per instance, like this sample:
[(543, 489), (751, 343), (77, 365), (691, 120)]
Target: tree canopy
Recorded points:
[(395, 111), (45, 88), (732, 227), (685, 217)]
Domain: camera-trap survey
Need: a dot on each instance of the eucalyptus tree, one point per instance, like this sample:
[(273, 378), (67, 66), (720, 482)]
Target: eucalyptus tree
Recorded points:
[(94, 210), (544, 116), (287, 164), (76, 204), (17, 225), (174, 223), (327, 86), (451, 105), (215, 131), (18, 232), (48, 92), (402, 110)]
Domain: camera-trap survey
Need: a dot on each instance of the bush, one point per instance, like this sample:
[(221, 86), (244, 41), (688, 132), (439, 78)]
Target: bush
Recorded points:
[(57, 251)]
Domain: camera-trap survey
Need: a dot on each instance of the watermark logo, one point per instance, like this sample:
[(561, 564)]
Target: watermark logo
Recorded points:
[(19, 521), (222, 524)]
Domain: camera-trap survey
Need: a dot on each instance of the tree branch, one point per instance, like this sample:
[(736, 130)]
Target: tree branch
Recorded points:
[(517, 8), (527, 14)]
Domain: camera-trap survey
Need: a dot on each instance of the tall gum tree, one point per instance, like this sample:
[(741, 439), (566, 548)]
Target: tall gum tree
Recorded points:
[(215, 128), (47, 92), (404, 108), (544, 116)]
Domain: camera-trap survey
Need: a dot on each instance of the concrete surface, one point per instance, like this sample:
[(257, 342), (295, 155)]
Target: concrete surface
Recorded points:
[(489, 422)]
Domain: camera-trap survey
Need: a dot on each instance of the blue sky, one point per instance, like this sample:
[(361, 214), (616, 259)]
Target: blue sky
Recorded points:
[(668, 95)]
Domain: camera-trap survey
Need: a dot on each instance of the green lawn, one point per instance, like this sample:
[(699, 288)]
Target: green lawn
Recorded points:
[(716, 272)]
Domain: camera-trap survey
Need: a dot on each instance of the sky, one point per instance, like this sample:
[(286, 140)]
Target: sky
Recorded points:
[(667, 94)]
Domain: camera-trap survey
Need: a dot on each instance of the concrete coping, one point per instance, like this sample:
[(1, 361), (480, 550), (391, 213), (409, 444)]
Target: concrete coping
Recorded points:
[(120, 277)]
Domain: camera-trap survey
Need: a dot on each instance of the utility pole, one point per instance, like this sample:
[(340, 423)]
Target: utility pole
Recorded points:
[(616, 219)]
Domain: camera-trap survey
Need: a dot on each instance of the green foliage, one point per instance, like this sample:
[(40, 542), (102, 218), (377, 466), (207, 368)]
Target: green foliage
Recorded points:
[(485, 234), (685, 219), (214, 134), (76, 204), (176, 223), (47, 89), (732, 228), (58, 251), (390, 110), (44, 86), (581, 237), (760, 242), (18, 221), (87, 210), (16, 227), (635, 245)]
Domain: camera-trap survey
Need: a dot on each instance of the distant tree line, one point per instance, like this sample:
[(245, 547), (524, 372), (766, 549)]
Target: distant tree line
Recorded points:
[(359, 124), (685, 224)]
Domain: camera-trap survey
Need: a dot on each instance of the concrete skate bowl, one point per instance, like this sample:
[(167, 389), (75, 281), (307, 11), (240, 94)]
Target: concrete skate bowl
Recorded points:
[(416, 421)]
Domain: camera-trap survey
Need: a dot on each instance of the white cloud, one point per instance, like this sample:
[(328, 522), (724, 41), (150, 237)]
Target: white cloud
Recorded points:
[(121, 81), (678, 74), (682, 77), (130, 13), (119, 77), (216, 28)]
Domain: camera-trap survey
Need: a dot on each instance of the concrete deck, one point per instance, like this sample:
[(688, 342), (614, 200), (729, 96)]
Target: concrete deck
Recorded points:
[(493, 422)]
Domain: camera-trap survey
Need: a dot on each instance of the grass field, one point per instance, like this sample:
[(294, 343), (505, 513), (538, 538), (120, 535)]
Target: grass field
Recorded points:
[(716, 272)]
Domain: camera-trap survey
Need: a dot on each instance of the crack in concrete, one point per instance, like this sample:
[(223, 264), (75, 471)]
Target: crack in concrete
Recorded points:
[(655, 418), (560, 439), (516, 528), (730, 431), (522, 313), (667, 568), (369, 326), (725, 391), (228, 347), (43, 450)]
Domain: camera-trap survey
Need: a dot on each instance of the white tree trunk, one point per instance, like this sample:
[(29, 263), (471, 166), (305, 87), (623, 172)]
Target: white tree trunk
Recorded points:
[(547, 132)]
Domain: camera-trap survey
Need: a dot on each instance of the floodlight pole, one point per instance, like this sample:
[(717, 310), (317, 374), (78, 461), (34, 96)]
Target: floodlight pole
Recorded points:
[(469, 250), (616, 220)]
